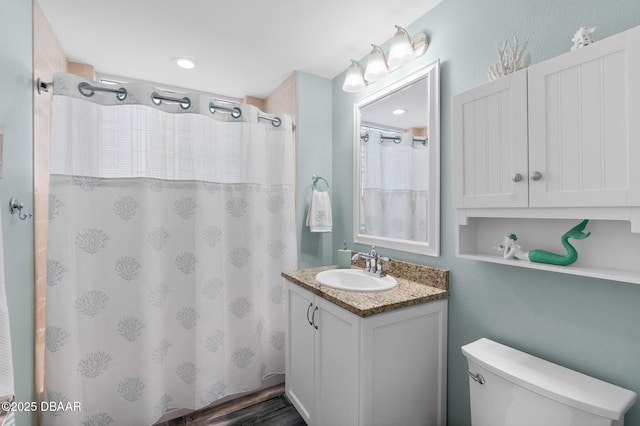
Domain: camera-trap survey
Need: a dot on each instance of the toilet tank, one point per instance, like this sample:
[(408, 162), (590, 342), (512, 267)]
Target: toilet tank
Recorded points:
[(519, 389)]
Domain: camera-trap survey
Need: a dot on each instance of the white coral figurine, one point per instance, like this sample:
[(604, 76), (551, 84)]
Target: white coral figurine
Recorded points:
[(510, 60), (582, 37)]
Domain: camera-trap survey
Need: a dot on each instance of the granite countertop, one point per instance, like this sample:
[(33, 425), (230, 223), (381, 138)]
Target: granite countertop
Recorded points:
[(416, 284)]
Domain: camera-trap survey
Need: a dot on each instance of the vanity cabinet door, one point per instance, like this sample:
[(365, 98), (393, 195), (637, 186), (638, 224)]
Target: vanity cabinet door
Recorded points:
[(404, 367), (584, 109), (322, 359), (300, 351), (337, 364), (490, 144)]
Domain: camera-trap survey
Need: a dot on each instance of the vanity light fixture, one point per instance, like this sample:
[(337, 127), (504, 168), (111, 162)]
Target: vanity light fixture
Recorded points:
[(403, 50), (185, 63), (376, 65), (354, 81)]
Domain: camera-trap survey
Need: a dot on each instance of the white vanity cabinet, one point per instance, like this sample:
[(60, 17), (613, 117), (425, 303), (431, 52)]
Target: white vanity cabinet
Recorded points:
[(562, 133), (539, 150), (388, 368), (321, 359)]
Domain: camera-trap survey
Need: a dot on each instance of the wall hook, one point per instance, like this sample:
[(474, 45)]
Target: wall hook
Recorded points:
[(17, 206)]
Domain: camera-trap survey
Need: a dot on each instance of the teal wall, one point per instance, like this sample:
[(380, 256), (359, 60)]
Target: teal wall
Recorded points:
[(586, 324), (313, 157), (17, 181), (589, 325)]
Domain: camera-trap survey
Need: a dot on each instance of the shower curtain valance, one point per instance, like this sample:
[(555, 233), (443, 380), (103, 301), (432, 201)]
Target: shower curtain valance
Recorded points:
[(175, 150)]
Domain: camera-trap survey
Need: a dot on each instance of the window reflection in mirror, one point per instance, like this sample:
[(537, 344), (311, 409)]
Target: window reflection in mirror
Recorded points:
[(397, 165)]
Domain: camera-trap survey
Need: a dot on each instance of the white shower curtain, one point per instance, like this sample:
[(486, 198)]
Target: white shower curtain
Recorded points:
[(169, 228), (395, 187)]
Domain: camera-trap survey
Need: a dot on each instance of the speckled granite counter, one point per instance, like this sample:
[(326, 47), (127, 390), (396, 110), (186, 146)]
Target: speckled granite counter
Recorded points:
[(416, 284)]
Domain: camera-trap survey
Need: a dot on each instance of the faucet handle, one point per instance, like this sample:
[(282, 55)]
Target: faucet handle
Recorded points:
[(372, 252)]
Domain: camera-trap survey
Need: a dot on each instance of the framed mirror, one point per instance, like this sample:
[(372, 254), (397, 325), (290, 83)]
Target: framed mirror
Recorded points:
[(397, 165)]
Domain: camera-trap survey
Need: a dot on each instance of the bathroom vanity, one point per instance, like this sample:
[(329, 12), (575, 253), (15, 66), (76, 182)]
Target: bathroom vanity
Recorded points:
[(368, 358)]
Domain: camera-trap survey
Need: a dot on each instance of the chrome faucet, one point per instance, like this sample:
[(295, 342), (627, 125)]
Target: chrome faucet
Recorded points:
[(373, 262)]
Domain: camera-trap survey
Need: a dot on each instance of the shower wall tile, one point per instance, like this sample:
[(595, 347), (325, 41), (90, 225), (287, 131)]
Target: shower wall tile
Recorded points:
[(83, 70), (283, 99), (48, 59), (41, 214), (40, 239), (256, 102)]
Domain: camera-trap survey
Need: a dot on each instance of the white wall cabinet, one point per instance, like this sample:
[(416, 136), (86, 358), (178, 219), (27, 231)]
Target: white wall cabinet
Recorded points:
[(559, 140), (389, 368), (563, 133), (490, 144)]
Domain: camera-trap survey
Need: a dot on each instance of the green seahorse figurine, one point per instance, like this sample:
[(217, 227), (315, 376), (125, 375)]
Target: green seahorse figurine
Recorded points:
[(542, 256)]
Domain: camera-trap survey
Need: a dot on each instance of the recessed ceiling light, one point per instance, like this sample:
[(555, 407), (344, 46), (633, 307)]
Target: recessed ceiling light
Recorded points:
[(185, 63), (399, 111)]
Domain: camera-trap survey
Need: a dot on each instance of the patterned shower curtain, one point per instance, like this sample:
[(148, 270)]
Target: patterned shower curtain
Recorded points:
[(395, 187), (169, 227)]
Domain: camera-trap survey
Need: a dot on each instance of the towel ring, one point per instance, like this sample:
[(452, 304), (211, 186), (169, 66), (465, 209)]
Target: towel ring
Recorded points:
[(315, 179)]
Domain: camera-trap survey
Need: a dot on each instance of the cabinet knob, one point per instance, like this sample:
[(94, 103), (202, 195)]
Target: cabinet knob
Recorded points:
[(536, 176), (517, 177)]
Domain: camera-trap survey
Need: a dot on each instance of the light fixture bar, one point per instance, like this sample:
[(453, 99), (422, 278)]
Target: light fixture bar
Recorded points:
[(420, 43), (403, 50)]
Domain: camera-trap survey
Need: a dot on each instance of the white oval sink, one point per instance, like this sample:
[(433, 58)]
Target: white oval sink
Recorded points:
[(354, 280)]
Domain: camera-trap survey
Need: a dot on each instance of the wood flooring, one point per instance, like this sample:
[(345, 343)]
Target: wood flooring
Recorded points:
[(266, 408)]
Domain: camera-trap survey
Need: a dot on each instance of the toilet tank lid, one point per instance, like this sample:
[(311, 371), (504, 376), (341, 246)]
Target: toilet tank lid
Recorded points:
[(551, 380)]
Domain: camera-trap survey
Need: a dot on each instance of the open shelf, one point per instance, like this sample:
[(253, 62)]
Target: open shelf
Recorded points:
[(611, 252), (605, 274)]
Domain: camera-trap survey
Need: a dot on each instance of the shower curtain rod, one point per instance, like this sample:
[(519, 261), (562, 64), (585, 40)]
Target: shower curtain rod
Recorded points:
[(395, 139), (156, 98)]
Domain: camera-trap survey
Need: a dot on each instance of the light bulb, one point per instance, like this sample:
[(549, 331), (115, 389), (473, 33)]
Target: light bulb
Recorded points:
[(185, 63), (354, 82), (376, 65), (401, 51)]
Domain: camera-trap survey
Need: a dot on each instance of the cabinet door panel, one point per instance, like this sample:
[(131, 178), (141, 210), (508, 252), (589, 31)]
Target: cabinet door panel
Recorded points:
[(337, 361), (300, 352), (580, 113), (490, 144), (394, 344)]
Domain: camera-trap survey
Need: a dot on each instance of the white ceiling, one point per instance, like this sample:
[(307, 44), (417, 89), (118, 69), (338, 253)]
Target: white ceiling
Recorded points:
[(412, 98), (242, 47)]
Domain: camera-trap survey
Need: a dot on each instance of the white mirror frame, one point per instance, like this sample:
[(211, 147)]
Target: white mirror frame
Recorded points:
[(432, 247)]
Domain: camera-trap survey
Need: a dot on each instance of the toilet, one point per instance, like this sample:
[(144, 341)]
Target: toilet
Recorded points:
[(512, 388)]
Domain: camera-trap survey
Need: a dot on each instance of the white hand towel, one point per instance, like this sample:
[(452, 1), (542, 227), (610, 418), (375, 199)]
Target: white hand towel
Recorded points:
[(6, 360), (319, 217)]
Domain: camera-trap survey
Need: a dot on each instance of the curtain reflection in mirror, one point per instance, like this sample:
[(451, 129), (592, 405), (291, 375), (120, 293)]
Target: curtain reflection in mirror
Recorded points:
[(394, 193)]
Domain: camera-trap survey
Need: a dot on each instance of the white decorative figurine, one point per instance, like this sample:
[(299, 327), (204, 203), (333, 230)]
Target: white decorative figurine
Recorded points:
[(509, 61), (509, 248), (582, 37)]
